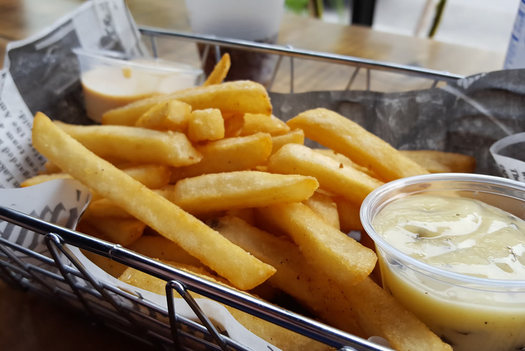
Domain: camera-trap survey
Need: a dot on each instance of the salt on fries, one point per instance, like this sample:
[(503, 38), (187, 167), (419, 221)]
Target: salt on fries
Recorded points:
[(222, 186)]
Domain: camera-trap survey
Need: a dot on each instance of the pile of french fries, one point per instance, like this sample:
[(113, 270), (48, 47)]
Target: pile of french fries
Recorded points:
[(208, 180)]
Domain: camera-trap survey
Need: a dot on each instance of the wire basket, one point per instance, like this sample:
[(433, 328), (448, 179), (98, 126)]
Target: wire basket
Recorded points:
[(59, 275)]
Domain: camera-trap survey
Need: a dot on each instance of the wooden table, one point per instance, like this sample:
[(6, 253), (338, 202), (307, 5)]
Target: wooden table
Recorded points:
[(28, 323)]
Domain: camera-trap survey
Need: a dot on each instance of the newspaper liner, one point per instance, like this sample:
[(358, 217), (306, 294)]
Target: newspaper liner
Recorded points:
[(510, 167), (41, 74)]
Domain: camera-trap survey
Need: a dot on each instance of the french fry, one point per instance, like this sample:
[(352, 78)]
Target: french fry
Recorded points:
[(278, 336), (391, 320), (226, 155), (332, 175), (348, 215), (295, 136), (342, 258), (106, 208), (295, 275), (364, 309), (240, 189), (169, 115), (233, 125), (258, 122), (441, 162), (152, 176), (339, 133), (123, 231), (325, 207), (346, 161), (206, 125), (109, 266), (231, 98), (157, 246), (220, 71), (135, 144), (239, 267), (41, 178), (50, 168)]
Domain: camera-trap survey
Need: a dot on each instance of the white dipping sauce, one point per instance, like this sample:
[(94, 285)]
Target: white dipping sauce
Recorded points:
[(468, 237)]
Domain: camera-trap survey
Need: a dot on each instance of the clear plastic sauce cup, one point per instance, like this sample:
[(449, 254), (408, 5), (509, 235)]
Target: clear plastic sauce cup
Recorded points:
[(468, 311), (110, 82)]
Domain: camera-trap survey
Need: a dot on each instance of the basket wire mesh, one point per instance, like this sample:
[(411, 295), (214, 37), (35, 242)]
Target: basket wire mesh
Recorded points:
[(59, 275)]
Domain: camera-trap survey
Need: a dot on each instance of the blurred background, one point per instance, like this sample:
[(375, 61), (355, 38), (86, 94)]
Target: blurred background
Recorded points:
[(483, 24)]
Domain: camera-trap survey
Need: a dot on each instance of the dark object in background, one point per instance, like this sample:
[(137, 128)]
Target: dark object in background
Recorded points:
[(245, 64)]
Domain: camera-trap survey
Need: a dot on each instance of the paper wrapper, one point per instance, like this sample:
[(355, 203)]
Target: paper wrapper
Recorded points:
[(466, 117), (509, 154)]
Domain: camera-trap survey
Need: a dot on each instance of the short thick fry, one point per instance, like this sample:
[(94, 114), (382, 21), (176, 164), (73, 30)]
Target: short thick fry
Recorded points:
[(169, 115), (241, 189), (347, 137), (441, 162), (342, 258), (226, 155), (220, 71), (205, 125), (231, 98), (135, 144), (332, 175), (227, 259)]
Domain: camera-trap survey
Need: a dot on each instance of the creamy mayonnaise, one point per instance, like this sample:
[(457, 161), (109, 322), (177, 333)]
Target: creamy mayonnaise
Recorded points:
[(464, 236), (457, 234)]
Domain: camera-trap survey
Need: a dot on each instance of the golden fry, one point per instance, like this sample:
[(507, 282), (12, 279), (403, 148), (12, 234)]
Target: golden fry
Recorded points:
[(206, 125), (295, 136), (231, 98), (220, 71), (240, 189), (332, 175), (339, 133), (342, 258), (325, 207), (106, 208), (169, 115), (123, 231), (226, 155), (257, 122), (135, 144), (364, 309), (278, 336), (41, 178), (348, 215), (227, 259), (442, 162), (157, 246)]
